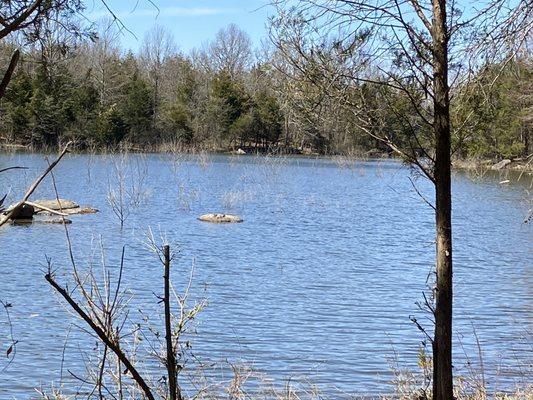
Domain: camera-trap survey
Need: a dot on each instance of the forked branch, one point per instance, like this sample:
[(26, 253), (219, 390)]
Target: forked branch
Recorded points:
[(104, 337)]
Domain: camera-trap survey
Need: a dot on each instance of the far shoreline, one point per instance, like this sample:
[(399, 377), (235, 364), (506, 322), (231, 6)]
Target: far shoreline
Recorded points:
[(516, 164)]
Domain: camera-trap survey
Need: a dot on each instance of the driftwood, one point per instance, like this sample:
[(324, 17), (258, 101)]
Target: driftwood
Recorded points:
[(49, 210), (5, 218)]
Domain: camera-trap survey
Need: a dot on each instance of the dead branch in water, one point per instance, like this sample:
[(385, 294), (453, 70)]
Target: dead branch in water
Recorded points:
[(11, 168), (12, 349), (33, 187), (43, 208), (4, 198)]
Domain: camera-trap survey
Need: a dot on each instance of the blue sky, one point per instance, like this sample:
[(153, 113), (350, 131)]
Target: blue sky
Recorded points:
[(192, 22)]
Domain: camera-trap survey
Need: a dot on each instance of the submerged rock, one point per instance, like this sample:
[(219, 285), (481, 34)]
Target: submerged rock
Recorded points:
[(32, 221), (83, 210), (220, 218), (55, 221), (22, 221)]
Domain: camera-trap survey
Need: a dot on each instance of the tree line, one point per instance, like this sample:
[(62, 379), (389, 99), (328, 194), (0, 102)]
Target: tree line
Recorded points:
[(225, 95)]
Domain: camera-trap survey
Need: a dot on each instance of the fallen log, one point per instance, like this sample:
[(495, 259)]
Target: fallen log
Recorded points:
[(7, 216), (49, 210)]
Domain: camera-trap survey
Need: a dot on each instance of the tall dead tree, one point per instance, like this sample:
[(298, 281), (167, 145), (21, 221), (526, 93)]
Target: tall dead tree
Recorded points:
[(410, 50), (157, 49)]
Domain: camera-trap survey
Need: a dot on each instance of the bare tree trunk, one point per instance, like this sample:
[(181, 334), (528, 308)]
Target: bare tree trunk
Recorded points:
[(171, 354), (442, 344), (287, 141), (9, 72)]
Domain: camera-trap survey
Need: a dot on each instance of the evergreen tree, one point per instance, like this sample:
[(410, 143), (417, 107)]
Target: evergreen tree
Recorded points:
[(137, 110)]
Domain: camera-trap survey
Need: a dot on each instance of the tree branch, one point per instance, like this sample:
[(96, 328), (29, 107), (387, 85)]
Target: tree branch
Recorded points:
[(8, 74), (136, 376), (34, 186)]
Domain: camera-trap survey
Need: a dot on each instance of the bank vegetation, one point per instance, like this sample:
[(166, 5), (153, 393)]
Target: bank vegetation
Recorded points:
[(228, 95)]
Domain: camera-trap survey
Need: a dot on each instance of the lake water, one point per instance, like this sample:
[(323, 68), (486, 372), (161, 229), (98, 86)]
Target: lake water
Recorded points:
[(316, 285)]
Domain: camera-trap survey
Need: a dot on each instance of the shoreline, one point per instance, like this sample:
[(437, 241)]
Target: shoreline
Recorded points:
[(520, 164)]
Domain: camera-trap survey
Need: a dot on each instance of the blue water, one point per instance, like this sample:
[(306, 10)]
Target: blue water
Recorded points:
[(316, 285)]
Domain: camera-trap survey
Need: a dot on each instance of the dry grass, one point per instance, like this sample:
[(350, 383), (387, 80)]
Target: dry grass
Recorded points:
[(247, 384)]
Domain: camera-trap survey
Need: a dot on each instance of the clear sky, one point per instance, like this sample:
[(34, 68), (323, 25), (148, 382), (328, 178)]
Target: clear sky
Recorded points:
[(192, 22)]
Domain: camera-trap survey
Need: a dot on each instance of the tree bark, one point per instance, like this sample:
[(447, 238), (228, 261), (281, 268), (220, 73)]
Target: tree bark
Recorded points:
[(173, 388), (9, 72), (442, 343)]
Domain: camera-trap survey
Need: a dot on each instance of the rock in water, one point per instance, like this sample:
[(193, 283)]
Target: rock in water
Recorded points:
[(502, 164), (55, 205), (56, 221), (41, 221), (82, 210), (220, 218)]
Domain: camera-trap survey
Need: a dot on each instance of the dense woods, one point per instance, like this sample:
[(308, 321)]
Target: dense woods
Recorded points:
[(227, 94)]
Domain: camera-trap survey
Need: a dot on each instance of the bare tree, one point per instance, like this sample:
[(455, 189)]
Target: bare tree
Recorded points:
[(419, 50), (100, 59), (126, 187), (26, 19), (231, 51), (157, 48)]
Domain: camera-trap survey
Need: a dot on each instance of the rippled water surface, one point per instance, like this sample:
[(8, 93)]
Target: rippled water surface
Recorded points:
[(317, 284)]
